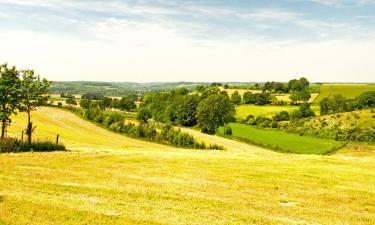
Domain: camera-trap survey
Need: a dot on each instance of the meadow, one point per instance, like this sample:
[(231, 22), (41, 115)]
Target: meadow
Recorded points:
[(107, 178), (281, 141), (242, 111), (349, 91)]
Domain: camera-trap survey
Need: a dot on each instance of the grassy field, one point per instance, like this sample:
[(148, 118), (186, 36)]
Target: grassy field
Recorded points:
[(74, 132), (349, 91), (152, 184), (282, 141), (243, 111)]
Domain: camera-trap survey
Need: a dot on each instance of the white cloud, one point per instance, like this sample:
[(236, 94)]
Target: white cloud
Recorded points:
[(60, 58)]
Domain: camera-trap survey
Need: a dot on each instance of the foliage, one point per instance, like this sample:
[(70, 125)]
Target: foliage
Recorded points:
[(15, 145), (168, 135), (227, 130), (257, 98), (214, 111), (236, 98), (33, 94), (281, 116), (365, 100), (10, 95), (71, 101)]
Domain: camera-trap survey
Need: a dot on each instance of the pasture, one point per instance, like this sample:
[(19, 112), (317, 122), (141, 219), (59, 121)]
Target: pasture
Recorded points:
[(112, 179), (242, 111), (282, 141), (349, 91)]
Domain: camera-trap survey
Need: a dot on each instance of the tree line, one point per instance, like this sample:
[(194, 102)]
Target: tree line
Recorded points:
[(339, 103), (208, 109), (20, 91)]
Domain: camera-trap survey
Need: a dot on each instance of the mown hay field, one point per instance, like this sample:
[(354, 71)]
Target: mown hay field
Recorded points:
[(144, 183)]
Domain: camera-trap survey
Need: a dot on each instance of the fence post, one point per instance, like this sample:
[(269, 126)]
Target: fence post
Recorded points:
[(57, 139)]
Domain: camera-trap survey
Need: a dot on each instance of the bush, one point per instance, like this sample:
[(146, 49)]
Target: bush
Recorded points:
[(16, 145), (227, 130)]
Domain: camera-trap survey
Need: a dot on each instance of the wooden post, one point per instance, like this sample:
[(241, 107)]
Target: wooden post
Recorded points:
[(22, 137), (57, 139)]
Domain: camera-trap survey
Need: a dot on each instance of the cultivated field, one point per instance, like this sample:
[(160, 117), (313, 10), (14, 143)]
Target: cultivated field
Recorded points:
[(349, 91), (111, 179)]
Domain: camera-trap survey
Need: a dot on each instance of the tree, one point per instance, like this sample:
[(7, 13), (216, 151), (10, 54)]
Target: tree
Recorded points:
[(85, 103), (187, 110), (105, 103), (236, 98), (71, 101), (33, 94), (366, 99), (10, 95), (306, 111), (324, 106), (144, 114), (281, 116), (214, 111), (127, 104), (249, 97)]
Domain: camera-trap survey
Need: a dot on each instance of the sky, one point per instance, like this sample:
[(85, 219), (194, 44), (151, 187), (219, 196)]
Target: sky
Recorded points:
[(190, 40)]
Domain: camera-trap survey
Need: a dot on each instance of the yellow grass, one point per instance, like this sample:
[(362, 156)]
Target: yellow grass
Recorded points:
[(74, 132), (150, 184)]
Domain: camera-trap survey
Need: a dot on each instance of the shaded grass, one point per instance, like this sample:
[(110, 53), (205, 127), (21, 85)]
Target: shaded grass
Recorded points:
[(281, 141), (349, 91)]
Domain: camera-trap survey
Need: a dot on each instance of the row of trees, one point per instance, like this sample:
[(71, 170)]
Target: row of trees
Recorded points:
[(298, 89), (148, 131), (20, 90), (126, 103), (209, 109), (338, 103)]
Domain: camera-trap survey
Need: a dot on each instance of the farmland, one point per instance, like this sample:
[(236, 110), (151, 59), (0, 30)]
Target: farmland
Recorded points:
[(144, 183), (349, 91)]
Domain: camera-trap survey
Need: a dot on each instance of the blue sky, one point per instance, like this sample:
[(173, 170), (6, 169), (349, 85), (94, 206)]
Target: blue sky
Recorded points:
[(211, 40)]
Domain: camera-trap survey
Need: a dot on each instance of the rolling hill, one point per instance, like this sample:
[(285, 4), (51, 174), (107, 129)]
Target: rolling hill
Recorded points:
[(98, 183)]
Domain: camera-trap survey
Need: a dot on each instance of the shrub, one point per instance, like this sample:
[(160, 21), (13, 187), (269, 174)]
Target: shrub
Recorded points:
[(227, 130), (16, 145)]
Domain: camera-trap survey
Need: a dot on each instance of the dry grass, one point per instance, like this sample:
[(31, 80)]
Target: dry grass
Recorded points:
[(74, 132), (156, 185)]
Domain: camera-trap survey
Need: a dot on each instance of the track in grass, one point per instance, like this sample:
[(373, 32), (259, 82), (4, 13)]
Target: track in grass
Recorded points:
[(349, 91), (282, 141)]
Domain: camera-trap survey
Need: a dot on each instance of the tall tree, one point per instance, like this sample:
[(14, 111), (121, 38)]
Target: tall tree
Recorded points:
[(33, 94), (10, 95), (214, 111)]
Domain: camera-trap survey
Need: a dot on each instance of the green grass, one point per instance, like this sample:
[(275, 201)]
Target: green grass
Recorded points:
[(349, 91), (243, 111), (282, 141)]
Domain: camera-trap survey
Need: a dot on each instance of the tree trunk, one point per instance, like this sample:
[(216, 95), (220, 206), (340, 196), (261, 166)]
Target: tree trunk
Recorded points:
[(3, 128), (29, 127)]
